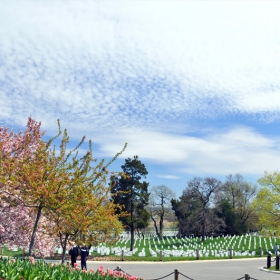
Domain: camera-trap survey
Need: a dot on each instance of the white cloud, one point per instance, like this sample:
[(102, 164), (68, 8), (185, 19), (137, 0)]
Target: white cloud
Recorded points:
[(89, 54), (169, 177), (262, 101), (238, 150), (146, 72)]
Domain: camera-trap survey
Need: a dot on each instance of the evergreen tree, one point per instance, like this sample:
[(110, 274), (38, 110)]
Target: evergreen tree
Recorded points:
[(225, 211), (132, 196)]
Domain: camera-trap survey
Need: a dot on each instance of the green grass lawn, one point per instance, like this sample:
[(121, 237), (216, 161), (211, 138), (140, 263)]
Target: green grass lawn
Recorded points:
[(6, 252), (239, 245)]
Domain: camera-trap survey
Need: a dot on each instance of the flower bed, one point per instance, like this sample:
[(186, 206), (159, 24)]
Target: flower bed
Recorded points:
[(29, 269)]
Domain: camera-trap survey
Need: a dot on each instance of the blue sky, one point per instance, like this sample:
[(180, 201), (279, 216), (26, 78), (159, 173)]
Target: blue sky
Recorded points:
[(192, 86)]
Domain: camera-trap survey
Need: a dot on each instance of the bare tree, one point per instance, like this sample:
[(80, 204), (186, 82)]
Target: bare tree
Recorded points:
[(159, 204), (203, 189), (231, 190)]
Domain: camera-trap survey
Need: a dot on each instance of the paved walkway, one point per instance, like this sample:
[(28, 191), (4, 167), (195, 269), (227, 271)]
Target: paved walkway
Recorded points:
[(230, 269)]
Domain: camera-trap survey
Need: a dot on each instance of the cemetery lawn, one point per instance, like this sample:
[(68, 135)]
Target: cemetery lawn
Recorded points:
[(178, 249)]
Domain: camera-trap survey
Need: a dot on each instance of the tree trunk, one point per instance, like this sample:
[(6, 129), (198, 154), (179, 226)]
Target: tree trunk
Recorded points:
[(161, 225), (203, 226), (155, 225), (161, 217), (32, 240), (63, 244), (132, 216), (132, 237)]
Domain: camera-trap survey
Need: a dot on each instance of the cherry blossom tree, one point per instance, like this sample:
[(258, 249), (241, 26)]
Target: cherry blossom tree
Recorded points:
[(44, 182), (15, 218)]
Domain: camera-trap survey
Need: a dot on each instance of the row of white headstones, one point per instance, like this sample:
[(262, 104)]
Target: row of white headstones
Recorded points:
[(245, 245)]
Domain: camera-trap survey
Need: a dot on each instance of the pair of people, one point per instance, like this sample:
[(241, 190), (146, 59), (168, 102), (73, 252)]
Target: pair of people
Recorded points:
[(82, 251)]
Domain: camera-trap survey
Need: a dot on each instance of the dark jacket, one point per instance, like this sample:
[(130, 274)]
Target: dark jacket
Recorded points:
[(74, 251), (84, 252)]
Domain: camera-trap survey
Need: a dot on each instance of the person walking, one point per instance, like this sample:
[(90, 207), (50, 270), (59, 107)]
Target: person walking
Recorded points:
[(84, 255), (74, 253)]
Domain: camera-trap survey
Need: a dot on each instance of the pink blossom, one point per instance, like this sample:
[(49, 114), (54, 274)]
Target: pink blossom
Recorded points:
[(32, 260), (16, 219)]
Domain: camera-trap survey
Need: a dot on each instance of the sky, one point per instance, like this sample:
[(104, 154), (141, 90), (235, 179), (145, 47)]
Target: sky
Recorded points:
[(192, 86)]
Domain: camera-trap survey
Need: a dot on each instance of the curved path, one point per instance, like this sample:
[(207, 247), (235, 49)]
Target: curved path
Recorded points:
[(230, 269)]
